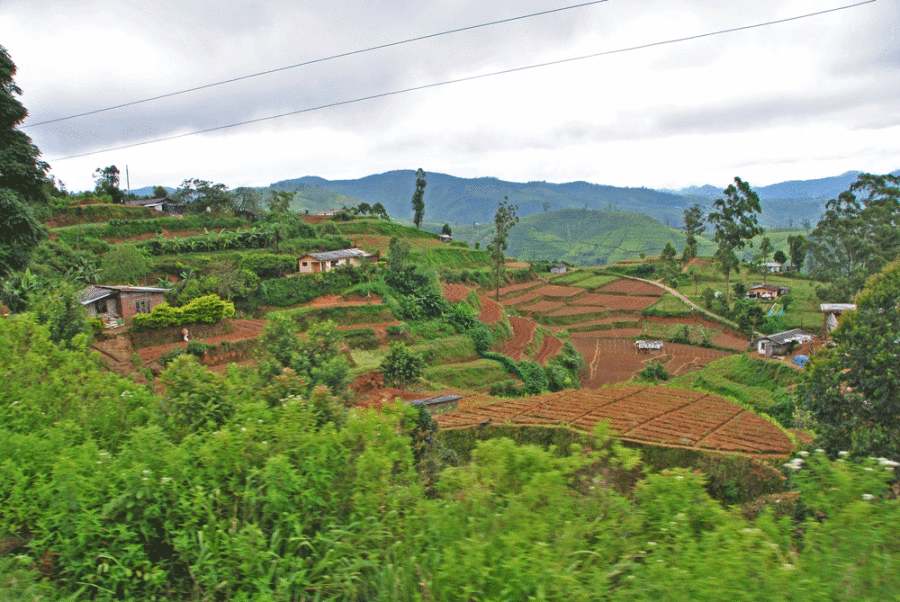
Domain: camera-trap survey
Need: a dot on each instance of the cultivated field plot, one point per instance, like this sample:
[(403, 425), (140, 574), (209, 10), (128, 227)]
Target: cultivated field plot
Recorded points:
[(506, 290), (653, 415), (632, 287), (614, 360), (616, 302), (529, 296), (551, 290), (543, 306)]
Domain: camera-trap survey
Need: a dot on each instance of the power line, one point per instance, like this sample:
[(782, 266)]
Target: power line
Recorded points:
[(319, 60), (472, 78)]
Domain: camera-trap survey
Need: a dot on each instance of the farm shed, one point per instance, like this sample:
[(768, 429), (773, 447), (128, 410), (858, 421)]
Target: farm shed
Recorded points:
[(831, 312), (325, 262), (117, 304), (648, 346), (445, 238), (439, 404), (767, 291), (778, 344), (559, 268)]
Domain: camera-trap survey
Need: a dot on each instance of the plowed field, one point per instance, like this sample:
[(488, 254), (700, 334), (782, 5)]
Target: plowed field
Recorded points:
[(632, 287), (523, 332), (615, 301), (653, 415)]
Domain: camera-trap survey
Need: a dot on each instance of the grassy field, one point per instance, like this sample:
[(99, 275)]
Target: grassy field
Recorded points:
[(472, 376)]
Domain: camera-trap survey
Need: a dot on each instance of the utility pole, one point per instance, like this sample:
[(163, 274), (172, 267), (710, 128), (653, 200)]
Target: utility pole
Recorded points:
[(127, 180)]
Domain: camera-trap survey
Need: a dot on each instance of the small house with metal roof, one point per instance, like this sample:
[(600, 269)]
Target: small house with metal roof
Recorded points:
[(779, 343), (327, 261), (117, 304)]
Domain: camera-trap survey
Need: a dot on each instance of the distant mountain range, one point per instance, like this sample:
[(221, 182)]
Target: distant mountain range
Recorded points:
[(821, 188), (469, 201)]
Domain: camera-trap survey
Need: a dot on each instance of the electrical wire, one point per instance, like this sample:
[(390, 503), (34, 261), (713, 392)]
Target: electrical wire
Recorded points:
[(314, 61), (472, 78)]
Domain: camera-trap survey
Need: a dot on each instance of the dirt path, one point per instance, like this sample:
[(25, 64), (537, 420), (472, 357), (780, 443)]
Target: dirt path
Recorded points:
[(690, 303)]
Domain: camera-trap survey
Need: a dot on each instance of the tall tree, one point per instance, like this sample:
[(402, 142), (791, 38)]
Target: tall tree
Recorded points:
[(853, 390), (693, 227), (797, 248), (418, 198), (857, 236), (199, 195), (504, 220), (734, 221), (23, 177), (21, 170), (107, 182), (765, 249)]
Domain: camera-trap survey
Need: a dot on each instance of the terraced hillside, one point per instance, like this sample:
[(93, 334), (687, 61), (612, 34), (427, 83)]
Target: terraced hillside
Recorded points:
[(603, 315), (661, 416)]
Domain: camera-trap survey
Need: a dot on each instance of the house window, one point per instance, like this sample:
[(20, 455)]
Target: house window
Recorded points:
[(142, 306), (101, 306), (334, 263), (305, 263)]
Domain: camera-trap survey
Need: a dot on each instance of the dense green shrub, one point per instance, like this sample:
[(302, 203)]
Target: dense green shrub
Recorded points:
[(209, 309)]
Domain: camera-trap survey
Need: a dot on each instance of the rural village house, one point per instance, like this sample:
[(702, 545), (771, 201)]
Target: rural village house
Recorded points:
[(767, 291), (779, 343), (117, 304), (327, 261)]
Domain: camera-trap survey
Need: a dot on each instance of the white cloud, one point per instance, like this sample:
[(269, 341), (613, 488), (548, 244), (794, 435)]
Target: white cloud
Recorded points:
[(809, 98)]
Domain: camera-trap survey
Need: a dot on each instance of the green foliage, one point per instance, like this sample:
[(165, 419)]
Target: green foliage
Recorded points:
[(853, 389), (125, 264), (20, 232), (208, 309), (316, 360), (534, 377), (402, 367), (284, 292), (735, 222), (856, 237), (504, 221), (418, 198), (654, 372), (21, 170), (360, 338), (195, 398)]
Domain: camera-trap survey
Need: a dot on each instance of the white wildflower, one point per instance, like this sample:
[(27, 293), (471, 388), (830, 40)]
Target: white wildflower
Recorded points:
[(843, 454), (260, 421), (803, 453), (145, 478), (888, 463), (788, 567), (868, 497), (166, 479), (820, 451), (243, 429), (146, 472)]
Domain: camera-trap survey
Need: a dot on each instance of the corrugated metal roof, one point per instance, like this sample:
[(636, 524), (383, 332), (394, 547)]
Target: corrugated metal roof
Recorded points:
[(795, 334), (838, 306), (430, 401), (97, 292), (342, 254)]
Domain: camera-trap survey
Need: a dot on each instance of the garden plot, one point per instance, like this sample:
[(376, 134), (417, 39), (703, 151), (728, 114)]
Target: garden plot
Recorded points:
[(552, 290), (543, 306), (615, 302), (513, 288), (650, 415), (632, 287), (530, 296)]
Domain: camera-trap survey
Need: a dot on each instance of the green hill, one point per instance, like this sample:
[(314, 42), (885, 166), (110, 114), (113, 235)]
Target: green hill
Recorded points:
[(583, 236)]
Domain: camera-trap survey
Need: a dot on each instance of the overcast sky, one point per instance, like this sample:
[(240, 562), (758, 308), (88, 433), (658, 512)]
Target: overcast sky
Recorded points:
[(810, 98)]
